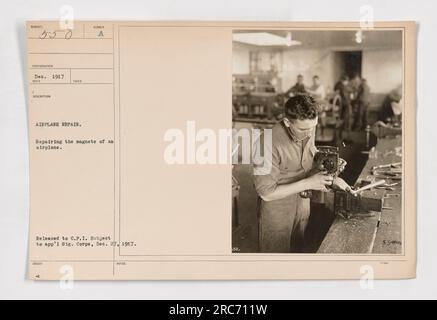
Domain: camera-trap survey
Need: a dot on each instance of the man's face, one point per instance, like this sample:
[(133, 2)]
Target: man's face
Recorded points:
[(316, 81), (300, 80), (302, 129)]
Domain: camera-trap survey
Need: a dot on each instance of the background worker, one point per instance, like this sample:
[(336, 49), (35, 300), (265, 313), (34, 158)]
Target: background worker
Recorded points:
[(343, 89), (363, 102), (298, 88)]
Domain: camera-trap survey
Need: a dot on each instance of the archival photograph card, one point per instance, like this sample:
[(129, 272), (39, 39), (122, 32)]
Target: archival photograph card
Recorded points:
[(221, 150)]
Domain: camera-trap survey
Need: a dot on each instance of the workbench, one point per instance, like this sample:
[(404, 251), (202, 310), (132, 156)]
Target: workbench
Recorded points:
[(379, 232)]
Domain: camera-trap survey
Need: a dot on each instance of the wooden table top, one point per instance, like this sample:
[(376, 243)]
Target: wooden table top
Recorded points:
[(377, 234)]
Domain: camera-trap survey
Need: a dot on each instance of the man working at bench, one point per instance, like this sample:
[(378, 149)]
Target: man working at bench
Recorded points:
[(283, 213)]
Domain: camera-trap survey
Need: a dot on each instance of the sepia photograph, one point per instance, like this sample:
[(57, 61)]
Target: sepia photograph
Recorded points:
[(323, 113)]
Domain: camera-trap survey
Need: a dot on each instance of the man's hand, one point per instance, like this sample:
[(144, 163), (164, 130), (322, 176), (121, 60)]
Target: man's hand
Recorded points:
[(341, 165), (339, 183), (319, 181)]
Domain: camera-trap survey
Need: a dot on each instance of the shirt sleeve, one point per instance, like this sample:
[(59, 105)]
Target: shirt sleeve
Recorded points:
[(266, 173)]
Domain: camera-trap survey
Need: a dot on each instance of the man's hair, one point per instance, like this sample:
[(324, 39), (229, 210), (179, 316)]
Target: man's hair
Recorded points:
[(316, 77), (301, 107)]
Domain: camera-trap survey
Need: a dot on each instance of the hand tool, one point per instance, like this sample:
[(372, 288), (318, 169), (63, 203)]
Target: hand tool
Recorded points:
[(369, 186)]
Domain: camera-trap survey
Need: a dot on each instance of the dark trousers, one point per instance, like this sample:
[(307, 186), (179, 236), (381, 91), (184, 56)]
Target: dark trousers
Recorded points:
[(362, 116)]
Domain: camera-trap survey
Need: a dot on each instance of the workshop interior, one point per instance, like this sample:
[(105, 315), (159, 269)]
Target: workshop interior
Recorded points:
[(357, 78)]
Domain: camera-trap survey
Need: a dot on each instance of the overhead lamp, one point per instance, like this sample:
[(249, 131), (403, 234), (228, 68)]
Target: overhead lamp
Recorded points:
[(265, 39)]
